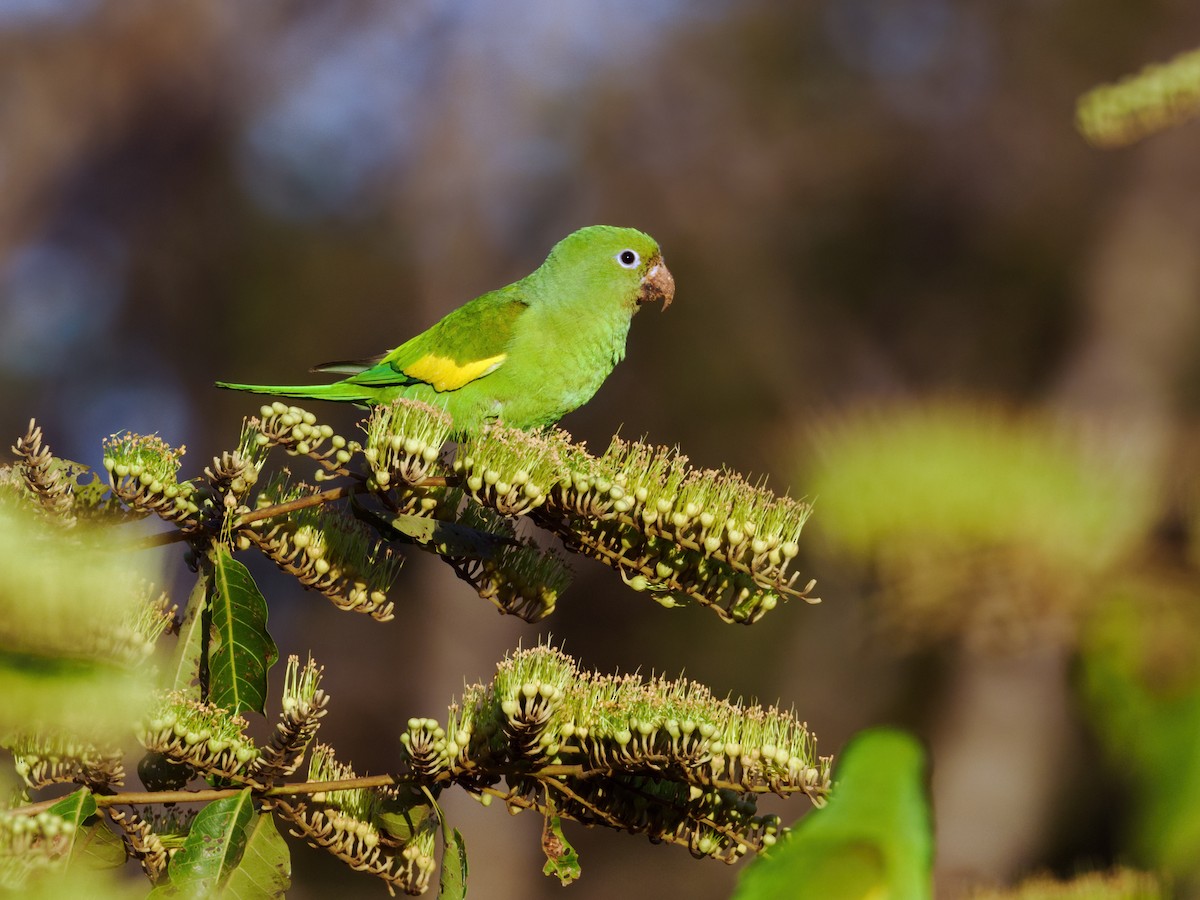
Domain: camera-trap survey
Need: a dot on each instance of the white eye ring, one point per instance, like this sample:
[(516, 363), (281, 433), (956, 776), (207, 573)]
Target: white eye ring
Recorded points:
[(628, 259)]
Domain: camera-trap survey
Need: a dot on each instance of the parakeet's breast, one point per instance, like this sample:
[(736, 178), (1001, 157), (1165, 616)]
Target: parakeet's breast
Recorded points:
[(556, 366)]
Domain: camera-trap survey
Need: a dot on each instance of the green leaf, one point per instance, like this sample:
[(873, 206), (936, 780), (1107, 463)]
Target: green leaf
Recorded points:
[(89, 493), (242, 650), (97, 847), (404, 814), (561, 858), (185, 668), (266, 867), (453, 881), (212, 851), (75, 807), (94, 845)]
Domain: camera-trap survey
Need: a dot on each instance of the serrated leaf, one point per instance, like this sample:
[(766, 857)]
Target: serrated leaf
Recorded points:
[(213, 848), (561, 859), (266, 867), (185, 667), (241, 650)]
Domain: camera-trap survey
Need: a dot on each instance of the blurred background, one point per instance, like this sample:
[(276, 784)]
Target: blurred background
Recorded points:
[(906, 288)]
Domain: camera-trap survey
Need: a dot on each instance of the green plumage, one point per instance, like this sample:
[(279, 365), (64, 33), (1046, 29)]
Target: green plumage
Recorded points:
[(526, 354), (872, 842)]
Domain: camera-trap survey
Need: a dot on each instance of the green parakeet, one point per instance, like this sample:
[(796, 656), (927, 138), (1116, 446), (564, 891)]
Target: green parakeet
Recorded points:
[(526, 354), (871, 842)]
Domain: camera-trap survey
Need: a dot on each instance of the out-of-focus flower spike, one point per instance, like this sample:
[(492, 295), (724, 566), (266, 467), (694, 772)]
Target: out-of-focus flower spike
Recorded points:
[(46, 759)]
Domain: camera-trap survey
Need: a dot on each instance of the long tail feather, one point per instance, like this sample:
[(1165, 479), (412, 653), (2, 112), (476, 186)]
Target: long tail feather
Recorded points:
[(336, 391)]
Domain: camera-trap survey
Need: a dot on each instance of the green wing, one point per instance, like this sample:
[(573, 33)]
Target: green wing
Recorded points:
[(467, 344)]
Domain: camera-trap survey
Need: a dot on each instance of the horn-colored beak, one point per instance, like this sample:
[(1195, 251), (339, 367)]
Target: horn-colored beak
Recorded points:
[(658, 284)]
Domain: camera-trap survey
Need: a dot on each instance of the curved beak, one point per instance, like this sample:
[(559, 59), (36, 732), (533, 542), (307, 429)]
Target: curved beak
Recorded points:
[(658, 284)]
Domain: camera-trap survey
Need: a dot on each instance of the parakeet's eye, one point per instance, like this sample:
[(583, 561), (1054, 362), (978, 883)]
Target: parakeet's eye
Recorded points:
[(628, 258)]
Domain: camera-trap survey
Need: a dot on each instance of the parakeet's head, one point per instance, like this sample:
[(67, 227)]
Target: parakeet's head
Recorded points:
[(606, 261)]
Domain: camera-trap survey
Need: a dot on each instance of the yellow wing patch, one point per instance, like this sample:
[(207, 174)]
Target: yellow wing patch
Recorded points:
[(446, 375)]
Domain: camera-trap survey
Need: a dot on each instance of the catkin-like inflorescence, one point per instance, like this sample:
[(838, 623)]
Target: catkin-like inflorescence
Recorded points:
[(28, 843), (142, 843), (404, 441), (44, 476), (716, 824), (508, 470), (1157, 98), (409, 869), (325, 550), (304, 705), (661, 756), (132, 641), (231, 477), (682, 534), (519, 577), (297, 431), (342, 822), (142, 471), (425, 748), (46, 759), (200, 735)]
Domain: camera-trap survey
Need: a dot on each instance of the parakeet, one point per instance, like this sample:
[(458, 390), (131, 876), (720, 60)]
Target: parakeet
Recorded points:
[(873, 841), (526, 354)]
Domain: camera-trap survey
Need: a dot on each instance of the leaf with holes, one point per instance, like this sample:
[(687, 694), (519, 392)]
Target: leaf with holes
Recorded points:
[(187, 673), (212, 851), (561, 859)]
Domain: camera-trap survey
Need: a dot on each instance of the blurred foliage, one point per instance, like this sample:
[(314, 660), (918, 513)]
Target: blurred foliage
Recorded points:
[(1157, 98), (997, 529), (72, 649), (1120, 884), (979, 522), (1140, 679)]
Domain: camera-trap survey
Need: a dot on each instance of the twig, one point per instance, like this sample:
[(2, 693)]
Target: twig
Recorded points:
[(142, 798), (282, 509)]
